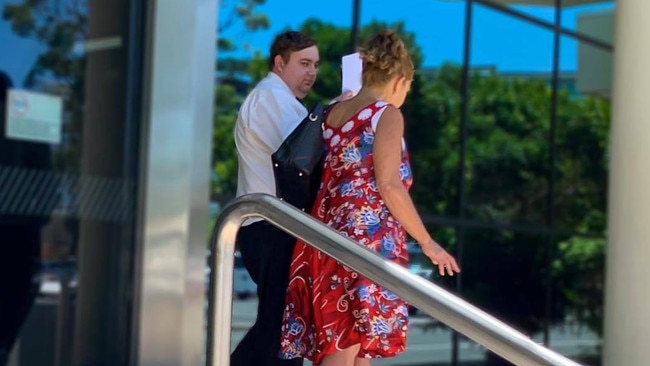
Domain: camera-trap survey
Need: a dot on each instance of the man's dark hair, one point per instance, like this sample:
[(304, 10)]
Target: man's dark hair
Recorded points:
[(288, 42)]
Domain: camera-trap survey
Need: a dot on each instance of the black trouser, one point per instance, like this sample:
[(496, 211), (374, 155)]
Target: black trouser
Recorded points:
[(266, 252)]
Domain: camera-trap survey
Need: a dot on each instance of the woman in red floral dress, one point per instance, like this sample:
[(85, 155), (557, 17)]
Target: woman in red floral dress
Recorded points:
[(334, 316)]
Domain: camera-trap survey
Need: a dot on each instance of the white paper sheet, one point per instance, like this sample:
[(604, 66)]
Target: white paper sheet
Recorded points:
[(351, 72)]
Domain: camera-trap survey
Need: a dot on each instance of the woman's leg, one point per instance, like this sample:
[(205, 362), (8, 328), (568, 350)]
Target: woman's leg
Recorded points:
[(345, 357)]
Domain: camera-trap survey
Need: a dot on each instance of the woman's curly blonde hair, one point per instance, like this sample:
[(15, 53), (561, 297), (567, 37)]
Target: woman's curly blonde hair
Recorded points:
[(384, 57)]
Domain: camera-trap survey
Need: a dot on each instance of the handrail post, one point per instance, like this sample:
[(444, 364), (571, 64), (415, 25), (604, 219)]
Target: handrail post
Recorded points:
[(222, 252)]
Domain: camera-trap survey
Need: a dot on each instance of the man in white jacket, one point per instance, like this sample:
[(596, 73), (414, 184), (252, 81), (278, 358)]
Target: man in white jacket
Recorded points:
[(268, 115)]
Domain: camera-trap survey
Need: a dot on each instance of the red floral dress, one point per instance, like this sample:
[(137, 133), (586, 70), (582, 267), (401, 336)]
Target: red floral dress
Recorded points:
[(330, 307)]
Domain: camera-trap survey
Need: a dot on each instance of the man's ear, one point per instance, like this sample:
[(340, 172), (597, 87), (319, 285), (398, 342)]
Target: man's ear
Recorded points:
[(278, 63)]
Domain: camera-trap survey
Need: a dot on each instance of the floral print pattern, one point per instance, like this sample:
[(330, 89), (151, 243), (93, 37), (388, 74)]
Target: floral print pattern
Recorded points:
[(329, 306)]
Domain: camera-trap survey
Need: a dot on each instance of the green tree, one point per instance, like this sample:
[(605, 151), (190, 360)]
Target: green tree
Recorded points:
[(237, 18), (235, 15), (506, 271), (224, 154), (580, 276)]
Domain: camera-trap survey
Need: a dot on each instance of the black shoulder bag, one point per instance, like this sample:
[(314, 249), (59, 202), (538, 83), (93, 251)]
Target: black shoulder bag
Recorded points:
[(298, 162)]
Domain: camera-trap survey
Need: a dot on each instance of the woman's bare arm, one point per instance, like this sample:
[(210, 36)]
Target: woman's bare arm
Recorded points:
[(387, 157)]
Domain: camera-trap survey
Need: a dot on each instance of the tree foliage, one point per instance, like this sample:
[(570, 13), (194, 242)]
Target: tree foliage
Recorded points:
[(506, 256), (224, 154), (237, 18), (241, 15)]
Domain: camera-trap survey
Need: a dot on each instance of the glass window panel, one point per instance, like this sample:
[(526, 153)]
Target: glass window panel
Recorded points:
[(578, 271), (68, 181), (572, 15), (580, 199), (582, 141), (544, 10), (432, 108), (509, 117), (505, 274)]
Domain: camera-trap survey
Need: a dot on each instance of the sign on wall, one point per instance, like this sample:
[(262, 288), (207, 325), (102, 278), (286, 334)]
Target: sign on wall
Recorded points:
[(33, 116)]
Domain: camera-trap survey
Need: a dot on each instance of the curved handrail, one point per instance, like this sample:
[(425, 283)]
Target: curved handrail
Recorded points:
[(426, 296)]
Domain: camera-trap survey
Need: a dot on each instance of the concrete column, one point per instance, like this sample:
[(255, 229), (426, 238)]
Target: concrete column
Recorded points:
[(627, 302), (175, 186)]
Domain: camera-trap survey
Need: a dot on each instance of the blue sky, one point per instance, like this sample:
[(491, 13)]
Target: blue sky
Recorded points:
[(498, 40), (17, 55)]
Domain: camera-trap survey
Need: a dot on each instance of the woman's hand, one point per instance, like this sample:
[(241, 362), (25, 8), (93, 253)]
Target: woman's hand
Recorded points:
[(445, 262)]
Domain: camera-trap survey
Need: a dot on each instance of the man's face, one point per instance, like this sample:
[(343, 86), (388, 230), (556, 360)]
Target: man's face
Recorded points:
[(299, 73)]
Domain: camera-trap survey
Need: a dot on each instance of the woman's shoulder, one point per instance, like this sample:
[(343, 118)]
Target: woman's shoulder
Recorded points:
[(348, 110), (389, 115)]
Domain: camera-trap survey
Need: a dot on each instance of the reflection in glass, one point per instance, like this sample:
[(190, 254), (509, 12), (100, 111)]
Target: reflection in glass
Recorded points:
[(509, 118), (504, 273), (571, 14), (67, 192), (536, 277), (580, 203)]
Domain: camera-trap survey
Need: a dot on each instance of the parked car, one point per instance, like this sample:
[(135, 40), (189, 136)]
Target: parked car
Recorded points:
[(243, 285)]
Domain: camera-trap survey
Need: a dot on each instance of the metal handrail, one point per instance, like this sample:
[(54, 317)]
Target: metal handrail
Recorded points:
[(426, 296)]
